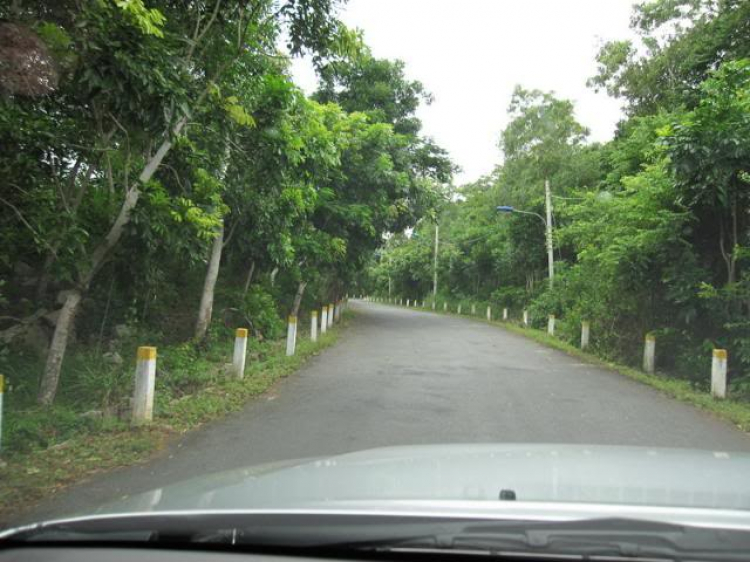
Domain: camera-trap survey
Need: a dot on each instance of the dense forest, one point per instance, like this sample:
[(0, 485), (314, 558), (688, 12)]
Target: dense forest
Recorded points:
[(164, 178), (165, 181), (650, 230)]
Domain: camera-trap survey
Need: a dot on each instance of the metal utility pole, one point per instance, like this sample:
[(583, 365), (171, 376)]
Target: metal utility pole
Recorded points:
[(548, 225), (435, 265), (389, 277)]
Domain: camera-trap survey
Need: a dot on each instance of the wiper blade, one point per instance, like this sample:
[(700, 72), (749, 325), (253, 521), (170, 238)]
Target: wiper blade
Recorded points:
[(620, 538), (365, 532)]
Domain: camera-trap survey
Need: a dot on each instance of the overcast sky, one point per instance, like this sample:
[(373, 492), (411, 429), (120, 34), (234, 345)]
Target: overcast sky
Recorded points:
[(470, 54)]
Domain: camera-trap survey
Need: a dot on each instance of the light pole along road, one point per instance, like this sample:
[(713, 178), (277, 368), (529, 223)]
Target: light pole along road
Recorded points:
[(403, 377), (547, 228)]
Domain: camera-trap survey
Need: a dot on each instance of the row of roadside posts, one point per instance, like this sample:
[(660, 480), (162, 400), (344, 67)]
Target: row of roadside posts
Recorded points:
[(145, 370), (145, 373), (718, 359)]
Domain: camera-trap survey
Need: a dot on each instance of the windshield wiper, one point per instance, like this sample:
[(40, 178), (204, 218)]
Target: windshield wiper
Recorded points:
[(619, 538)]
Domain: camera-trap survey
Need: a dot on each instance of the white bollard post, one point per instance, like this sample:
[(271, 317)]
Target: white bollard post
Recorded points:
[(649, 354), (240, 352), (445, 307), (585, 329), (584, 335), (2, 394), (314, 325), (551, 325), (145, 381), (505, 313), (407, 303), (423, 306), (719, 374), (525, 317), (433, 305), (330, 315), (291, 336), (473, 309), (459, 308), (489, 313), (323, 320)]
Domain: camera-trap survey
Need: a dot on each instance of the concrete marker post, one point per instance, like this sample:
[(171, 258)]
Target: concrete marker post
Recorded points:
[(505, 313), (649, 354), (434, 304), (551, 324), (459, 308), (489, 313), (407, 303), (291, 336), (314, 325), (585, 329), (330, 315), (145, 382), (445, 307), (324, 320), (719, 373), (423, 306), (240, 352), (473, 309), (525, 317)]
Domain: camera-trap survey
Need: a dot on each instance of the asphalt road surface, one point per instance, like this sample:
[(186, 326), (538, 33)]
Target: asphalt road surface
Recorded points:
[(404, 377)]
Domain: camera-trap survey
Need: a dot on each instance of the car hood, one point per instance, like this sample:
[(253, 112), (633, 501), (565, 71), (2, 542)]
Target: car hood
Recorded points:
[(469, 474)]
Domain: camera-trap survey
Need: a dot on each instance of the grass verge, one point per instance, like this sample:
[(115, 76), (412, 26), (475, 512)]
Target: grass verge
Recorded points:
[(30, 476)]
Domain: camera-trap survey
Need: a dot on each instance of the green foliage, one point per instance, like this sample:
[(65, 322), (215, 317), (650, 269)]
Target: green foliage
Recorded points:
[(150, 21), (169, 123), (650, 230), (261, 309)]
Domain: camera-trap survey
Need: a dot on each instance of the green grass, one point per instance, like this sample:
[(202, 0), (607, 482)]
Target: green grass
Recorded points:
[(195, 388), (732, 410)]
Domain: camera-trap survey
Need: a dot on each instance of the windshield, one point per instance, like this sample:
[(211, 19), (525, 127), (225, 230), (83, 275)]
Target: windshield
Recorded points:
[(438, 257)]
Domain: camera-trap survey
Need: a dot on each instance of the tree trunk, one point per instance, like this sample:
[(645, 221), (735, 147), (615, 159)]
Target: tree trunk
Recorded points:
[(249, 278), (298, 297), (44, 277), (51, 375), (274, 273), (209, 284), (56, 353)]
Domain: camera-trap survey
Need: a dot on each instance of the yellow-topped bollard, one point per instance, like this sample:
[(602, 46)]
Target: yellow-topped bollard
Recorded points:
[(649, 354), (145, 382), (314, 325), (719, 373), (291, 336), (240, 352)]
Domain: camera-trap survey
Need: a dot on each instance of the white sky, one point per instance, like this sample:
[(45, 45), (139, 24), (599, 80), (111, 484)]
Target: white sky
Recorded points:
[(470, 54)]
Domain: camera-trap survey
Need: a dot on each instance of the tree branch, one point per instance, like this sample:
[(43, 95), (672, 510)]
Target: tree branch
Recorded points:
[(26, 223)]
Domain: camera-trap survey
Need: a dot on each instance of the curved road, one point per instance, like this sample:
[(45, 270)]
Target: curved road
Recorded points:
[(401, 377)]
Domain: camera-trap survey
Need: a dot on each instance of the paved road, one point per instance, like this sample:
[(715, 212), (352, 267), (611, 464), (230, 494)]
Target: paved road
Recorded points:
[(407, 377)]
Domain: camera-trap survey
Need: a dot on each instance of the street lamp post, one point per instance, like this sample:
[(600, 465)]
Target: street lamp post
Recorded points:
[(547, 227), (435, 266)]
